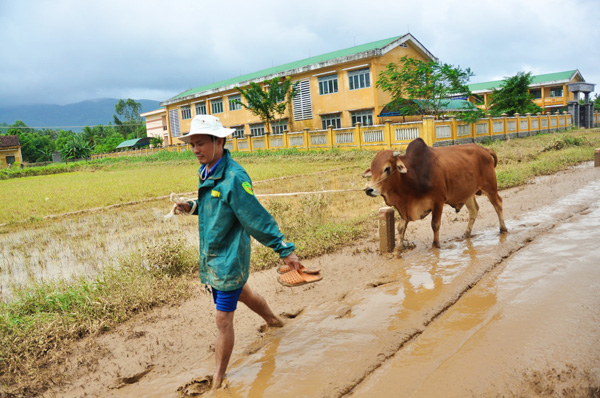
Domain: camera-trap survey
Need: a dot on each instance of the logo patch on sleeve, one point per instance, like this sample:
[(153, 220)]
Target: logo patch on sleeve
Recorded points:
[(215, 194), (247, 187)]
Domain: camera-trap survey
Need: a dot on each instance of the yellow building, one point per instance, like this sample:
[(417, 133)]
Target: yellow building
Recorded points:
[(550, 91), (10, 150), (335, 89)]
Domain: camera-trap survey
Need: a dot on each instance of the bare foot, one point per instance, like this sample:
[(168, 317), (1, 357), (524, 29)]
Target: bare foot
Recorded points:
[(277, 323)]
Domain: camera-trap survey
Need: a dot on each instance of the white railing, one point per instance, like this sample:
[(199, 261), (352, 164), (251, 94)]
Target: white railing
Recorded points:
[(407, 133), (481, 128), (373, 136), (318, 139), (444, 131), (344, 137)]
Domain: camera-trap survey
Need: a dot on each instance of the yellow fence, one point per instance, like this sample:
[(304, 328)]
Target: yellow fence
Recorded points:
[(389, 135)]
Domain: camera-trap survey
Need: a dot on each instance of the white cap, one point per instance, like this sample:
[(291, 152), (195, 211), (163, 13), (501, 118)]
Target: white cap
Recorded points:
[(206, 124)]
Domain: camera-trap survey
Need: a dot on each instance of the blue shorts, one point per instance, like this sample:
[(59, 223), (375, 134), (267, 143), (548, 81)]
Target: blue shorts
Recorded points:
[(226, 301)]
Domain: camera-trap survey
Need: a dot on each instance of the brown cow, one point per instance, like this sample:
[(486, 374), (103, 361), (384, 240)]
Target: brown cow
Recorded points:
[(422, 180)]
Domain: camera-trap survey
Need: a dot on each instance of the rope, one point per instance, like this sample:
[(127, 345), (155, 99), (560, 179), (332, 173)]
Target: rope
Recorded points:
[(307, 193), (178, 199)]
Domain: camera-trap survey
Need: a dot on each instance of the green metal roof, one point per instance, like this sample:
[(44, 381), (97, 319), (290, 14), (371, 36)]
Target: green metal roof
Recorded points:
[(290, 66), (135, 142), (537, 79)]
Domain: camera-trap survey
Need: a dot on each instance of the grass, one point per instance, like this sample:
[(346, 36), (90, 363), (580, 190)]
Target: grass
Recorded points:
[(133, 245), (522, 159), (120, 181)]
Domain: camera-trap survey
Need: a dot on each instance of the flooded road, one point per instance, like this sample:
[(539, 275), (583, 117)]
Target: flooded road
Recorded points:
[(461, 321)]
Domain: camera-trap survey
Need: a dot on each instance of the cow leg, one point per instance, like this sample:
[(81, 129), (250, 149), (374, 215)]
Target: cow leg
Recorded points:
[(402, 231), (496, 201), (436, 220), (473, 208)]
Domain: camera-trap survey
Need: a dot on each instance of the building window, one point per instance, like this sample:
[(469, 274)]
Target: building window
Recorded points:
[(556, 92), (186, 112), (302, 103), (328, 84), (334, 121), (10, 160), (536, 94), (257, 130), (363, 117), (239, 132), (216, 105), (279, 127), (234, 105), (201, 108), (360, 78), (174, 122)]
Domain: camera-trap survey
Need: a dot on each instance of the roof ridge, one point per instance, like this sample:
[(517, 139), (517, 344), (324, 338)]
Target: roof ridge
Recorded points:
[(378, 44)]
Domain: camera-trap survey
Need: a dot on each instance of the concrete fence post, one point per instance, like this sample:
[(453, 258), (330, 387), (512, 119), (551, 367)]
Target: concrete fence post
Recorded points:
[(387, 239), (597, 157)]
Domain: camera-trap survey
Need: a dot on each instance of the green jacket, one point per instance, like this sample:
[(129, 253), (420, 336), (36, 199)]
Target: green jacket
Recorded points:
[(228, 214)]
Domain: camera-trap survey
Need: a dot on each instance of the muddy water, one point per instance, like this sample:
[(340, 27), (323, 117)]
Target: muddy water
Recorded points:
[(469, 320)]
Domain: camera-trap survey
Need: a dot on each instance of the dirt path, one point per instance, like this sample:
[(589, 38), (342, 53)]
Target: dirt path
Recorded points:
[(345, 331)]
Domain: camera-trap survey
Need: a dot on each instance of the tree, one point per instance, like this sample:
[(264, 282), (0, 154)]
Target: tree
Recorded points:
[(27, 138), (422, 87), (129, 122), (76, 147), (268, 104), (513, 96)]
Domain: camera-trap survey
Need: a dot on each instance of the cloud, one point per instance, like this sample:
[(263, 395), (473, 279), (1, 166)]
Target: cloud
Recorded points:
[(66, 50)]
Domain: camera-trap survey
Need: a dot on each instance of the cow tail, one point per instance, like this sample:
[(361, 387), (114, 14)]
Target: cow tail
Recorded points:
[(494, 156)]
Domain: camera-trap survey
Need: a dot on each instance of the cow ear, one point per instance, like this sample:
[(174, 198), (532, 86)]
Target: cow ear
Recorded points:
[(367, 173), (401, 167)]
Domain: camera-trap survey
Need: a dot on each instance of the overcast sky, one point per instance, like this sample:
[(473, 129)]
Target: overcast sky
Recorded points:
[(66, 51)]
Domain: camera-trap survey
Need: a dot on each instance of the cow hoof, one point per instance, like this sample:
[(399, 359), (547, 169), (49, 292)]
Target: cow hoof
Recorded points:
[(503, 230), (436, 245), (408, 245)]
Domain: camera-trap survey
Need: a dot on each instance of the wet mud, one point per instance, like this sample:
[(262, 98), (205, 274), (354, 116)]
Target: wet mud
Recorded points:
[(514, 314)]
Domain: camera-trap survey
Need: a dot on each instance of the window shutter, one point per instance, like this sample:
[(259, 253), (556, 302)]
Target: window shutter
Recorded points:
[(174, 121), (302, 102)]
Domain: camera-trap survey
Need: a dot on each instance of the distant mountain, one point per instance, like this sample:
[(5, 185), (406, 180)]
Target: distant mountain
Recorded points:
[(68, 117)]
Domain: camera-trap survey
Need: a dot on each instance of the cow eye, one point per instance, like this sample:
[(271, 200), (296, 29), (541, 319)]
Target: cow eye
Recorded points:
[(387, 169)]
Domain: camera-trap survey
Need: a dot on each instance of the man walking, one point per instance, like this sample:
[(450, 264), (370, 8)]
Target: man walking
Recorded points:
[(228, 214)]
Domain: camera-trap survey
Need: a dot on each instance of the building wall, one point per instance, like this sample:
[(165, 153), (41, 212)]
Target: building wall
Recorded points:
[(10, 151), (547, 100), (155, 125), (344, 101)]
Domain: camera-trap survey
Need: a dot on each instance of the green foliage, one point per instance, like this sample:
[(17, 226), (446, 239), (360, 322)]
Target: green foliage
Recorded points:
[(597, 102), (513, 96), (75, 147), (156, 141), (271, 103), (129, 122), (419, 87), (471, 115), (564, 141)]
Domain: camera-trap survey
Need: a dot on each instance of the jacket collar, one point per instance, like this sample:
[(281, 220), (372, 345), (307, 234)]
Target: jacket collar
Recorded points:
[(218, 173)]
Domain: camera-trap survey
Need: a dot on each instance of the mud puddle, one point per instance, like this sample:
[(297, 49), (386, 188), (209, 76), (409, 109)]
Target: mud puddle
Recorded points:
[(479, 316)]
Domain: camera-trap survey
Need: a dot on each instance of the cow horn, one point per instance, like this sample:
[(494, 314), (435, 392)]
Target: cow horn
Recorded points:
[(397, 153)]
